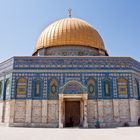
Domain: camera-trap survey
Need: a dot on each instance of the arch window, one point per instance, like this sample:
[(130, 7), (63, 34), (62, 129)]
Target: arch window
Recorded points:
[(72, 87), (53, 86), (91, 85), (122, 86), (53, 89), (37, 87), (21, 86), (7, 88), (107, 87), (136, 88)]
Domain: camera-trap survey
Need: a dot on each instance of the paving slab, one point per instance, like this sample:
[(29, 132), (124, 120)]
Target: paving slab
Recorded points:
[(16, 133)]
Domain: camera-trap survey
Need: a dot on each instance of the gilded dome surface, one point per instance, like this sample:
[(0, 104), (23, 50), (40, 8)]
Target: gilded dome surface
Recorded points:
[(70, 31)]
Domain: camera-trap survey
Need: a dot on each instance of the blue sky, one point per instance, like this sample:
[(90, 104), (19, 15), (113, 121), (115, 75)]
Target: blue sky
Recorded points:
[(117, 21)]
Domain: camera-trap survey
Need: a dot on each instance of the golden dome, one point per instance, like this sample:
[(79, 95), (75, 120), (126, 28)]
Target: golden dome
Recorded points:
[(70, 31)]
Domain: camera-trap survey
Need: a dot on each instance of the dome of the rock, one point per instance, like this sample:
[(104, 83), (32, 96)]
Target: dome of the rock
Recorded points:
[(70, 33)]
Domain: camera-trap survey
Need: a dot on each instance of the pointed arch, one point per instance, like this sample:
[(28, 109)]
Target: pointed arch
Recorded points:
[(73, 87), (91, 88), (53, 89), (136, 88), (107, 87), (37, 87), (7, 88)]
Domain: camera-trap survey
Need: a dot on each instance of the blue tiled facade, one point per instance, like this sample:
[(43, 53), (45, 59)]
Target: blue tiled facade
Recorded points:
[(67, 69)]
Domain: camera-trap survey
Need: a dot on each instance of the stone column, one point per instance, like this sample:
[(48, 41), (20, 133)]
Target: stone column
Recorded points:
[(100, 110), (44, 111), (85, 123), (1, 111), (96, 110), (116, 110), (28, 111), (61, 112), (133, 112), (12, 112), (81, 111)]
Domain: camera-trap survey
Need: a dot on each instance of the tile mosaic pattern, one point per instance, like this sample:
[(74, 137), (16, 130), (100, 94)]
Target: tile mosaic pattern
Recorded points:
[(66, 69)]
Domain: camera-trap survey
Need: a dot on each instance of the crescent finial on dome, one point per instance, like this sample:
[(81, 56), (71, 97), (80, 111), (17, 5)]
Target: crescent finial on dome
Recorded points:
[(69, 12)]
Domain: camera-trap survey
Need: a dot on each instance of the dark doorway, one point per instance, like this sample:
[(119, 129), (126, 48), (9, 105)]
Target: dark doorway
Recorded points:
[(72, 113), (139, 121)]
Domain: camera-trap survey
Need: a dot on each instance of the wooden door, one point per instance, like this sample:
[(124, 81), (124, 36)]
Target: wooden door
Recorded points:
[(72, 113)]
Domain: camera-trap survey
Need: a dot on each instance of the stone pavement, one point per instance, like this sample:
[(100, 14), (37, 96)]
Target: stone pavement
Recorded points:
[(130, 133)]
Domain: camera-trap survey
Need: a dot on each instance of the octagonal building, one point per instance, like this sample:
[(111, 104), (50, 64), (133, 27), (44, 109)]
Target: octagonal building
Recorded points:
[(70, 81)]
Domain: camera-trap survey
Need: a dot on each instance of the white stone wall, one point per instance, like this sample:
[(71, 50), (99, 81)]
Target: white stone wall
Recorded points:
[(91, 112), (20, 110), (7, 111), (134, 111), (53, 111), (137, 105), (1, 110), (110, 113), (114, 112), (124, 110), (39, 112), (36, 111), (4, 111)]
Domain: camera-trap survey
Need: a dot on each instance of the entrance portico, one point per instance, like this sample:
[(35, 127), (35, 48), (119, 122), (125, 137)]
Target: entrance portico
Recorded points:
[(72, 99), (82, 98)]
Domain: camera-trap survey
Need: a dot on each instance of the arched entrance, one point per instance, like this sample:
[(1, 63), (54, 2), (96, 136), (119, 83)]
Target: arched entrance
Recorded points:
[(73, 105)]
